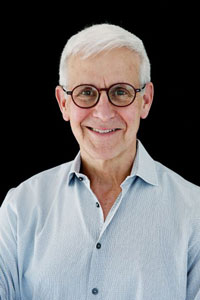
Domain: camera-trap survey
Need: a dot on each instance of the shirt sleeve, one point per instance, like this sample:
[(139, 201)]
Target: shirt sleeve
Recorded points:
[(193, 275), (9, 286)]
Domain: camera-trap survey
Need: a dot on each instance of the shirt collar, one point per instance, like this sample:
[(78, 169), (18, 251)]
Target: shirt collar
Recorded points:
[(75, 167), (143, 166)]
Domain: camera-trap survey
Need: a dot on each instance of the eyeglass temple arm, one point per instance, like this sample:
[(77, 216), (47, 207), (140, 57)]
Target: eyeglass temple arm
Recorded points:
[(139, 90), (67, 92)]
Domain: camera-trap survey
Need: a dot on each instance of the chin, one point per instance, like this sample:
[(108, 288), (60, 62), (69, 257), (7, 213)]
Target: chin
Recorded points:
[(102, 154)]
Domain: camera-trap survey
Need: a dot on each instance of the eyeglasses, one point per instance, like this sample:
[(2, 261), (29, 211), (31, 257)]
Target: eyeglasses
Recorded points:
[(119, 94)]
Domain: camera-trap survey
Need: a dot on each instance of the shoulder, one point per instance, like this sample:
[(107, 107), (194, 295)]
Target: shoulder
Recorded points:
[(169, 176), (48, 177), (26, 208), (38, 189), (178, 189)]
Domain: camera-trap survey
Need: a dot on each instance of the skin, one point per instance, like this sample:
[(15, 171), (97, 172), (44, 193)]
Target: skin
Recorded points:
[(106, 158)]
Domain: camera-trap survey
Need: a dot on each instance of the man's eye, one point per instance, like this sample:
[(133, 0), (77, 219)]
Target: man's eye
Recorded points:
[(87, 93), (120, 92)]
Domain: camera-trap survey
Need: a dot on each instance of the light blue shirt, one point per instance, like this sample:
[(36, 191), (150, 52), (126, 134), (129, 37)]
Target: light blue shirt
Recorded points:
[(55, 244)]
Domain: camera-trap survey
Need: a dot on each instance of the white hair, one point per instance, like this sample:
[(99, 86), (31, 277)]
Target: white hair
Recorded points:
[(97, 38)]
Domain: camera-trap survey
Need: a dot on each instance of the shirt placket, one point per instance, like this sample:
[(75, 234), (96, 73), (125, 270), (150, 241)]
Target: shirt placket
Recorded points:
[(98, 253), (95, 272)]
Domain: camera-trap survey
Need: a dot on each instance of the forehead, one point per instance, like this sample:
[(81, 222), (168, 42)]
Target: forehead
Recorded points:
[(105, 68)]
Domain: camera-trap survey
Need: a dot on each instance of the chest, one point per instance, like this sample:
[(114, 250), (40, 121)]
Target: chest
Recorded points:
[(133, 251), (107, 200)]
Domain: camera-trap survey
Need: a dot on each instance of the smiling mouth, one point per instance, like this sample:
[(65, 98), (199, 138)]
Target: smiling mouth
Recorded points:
[(103, 131)]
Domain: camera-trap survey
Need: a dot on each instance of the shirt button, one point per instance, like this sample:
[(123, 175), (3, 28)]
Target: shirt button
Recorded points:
[(98, 245), (95, 291), (97, 204), (80, 178)]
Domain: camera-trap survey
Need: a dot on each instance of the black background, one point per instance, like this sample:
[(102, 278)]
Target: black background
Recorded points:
[(34, 136)]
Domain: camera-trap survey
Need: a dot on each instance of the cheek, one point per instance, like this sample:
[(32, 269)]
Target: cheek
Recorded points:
[(77, 116), (132, 118)]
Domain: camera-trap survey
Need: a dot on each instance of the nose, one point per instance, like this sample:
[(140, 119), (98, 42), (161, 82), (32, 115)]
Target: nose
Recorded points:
[(104, 110)]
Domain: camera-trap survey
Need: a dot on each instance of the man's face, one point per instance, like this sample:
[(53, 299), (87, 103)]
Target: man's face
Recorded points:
[(103, 70)]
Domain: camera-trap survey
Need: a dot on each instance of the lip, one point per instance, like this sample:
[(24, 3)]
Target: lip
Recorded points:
[(114, 131)]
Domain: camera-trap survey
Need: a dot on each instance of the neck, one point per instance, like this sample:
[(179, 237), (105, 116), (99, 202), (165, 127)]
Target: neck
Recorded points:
[(108, 173)]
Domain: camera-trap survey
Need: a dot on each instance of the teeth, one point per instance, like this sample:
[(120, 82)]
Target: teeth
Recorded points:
[(103, 131)]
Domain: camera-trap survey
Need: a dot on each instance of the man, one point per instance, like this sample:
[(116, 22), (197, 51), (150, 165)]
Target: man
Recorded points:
[(113, 224)]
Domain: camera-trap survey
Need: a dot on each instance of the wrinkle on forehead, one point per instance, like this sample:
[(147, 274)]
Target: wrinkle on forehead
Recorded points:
[(104, 69)]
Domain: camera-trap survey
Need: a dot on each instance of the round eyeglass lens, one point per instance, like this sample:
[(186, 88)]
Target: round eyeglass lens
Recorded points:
[(122, 94), (85, 95)]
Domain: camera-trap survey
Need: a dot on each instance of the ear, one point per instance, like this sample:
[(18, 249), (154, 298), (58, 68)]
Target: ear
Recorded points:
[(62, 102), (147, 100)]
